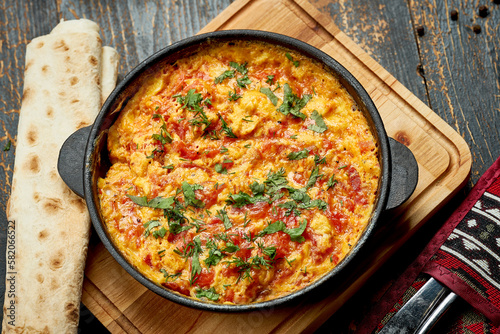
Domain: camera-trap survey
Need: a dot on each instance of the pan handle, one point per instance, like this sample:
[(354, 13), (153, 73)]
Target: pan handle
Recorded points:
[(404, 174), (71, 160)]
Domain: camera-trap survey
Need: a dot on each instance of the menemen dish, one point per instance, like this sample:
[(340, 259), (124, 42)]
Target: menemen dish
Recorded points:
[(240, 173)]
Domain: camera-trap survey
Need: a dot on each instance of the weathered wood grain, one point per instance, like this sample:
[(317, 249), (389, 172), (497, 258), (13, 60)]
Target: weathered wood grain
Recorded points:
[(384, 30), (459, 80), (462, 71)]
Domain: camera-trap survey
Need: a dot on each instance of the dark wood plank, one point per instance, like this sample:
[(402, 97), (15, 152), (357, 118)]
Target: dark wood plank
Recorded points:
[(143, 27), (462, 71), (459, 77), (383, 29)]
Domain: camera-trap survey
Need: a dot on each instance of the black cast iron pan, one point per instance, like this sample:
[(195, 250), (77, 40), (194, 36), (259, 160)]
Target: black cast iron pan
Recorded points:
[(83, 157)]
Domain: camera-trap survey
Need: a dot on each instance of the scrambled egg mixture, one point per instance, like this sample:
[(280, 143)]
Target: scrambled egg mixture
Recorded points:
[(239, 174)]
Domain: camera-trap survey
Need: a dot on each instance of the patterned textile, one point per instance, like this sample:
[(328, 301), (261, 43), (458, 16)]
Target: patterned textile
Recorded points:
[(465, 256), (468, 262)]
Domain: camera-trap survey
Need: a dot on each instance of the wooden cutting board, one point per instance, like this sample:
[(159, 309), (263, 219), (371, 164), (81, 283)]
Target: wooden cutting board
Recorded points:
[(124, 305)]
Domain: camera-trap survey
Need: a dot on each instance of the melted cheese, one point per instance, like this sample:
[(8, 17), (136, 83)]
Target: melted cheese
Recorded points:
[(218, 155)]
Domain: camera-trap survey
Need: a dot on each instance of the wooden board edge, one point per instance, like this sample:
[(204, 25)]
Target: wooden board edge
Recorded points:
[(104, 309), (218, 22), (458, 169)]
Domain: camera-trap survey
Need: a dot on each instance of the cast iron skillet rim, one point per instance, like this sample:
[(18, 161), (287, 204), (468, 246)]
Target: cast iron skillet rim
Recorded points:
[(294, 44)]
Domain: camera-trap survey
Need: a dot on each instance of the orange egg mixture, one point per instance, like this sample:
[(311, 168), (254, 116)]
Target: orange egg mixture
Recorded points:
[(239, 174)]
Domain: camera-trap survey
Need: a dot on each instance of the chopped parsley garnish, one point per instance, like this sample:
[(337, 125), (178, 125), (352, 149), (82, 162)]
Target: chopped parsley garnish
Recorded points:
[(269, 93), (168, 276), (292, 104), (230, 247), (269, 250), (226, 75), (214, 253), (295, 62), (209, 294), (233, 96), (313, 177), (155, 203), (270, 80), (192, 102), (245, 266), (294, 233), (189, 195), (164, 137), (291, 207), (160, 233), (168, 167), (223, 149), (195, 261), (241, 199), (220, 169), (331, 182), (243, 82), (298, 154), (320, 125), (226, 129), (240, 68), (222, 215), (318, 160), (149, 225)]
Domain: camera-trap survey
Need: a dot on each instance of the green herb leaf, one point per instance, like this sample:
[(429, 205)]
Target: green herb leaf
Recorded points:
[(230, 248), (296, 233), (168, 276), (270, 95), (189, 195), (292, 104), (214, 254), (220, 169), (299, 154), (149, 225), (226, 129), (331, 182), (269, 250), (313, 177), (160, 233), (195, 260), (226, 75), (243, 82), (233, 96), (318, 160), (270, 79), (222, 215), (155, 203), (274, 227), (240, 68), (295, 62), (209, 294), (257, 188), (320, 125), (241, 199), (164, 137)]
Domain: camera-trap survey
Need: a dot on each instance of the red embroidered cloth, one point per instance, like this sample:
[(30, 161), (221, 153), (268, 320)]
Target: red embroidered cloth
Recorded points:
[(465, 256)]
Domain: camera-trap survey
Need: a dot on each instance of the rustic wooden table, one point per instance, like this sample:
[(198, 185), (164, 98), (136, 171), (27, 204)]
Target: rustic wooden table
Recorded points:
[(451, 63)]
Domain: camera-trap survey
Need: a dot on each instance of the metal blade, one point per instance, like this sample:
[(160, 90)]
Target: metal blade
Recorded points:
[(413, 315)]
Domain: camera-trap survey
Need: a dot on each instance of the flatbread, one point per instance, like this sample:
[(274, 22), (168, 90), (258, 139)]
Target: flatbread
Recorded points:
[(62, 93)]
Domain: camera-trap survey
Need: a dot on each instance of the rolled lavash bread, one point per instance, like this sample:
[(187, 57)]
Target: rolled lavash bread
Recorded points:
[(64, 72)]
